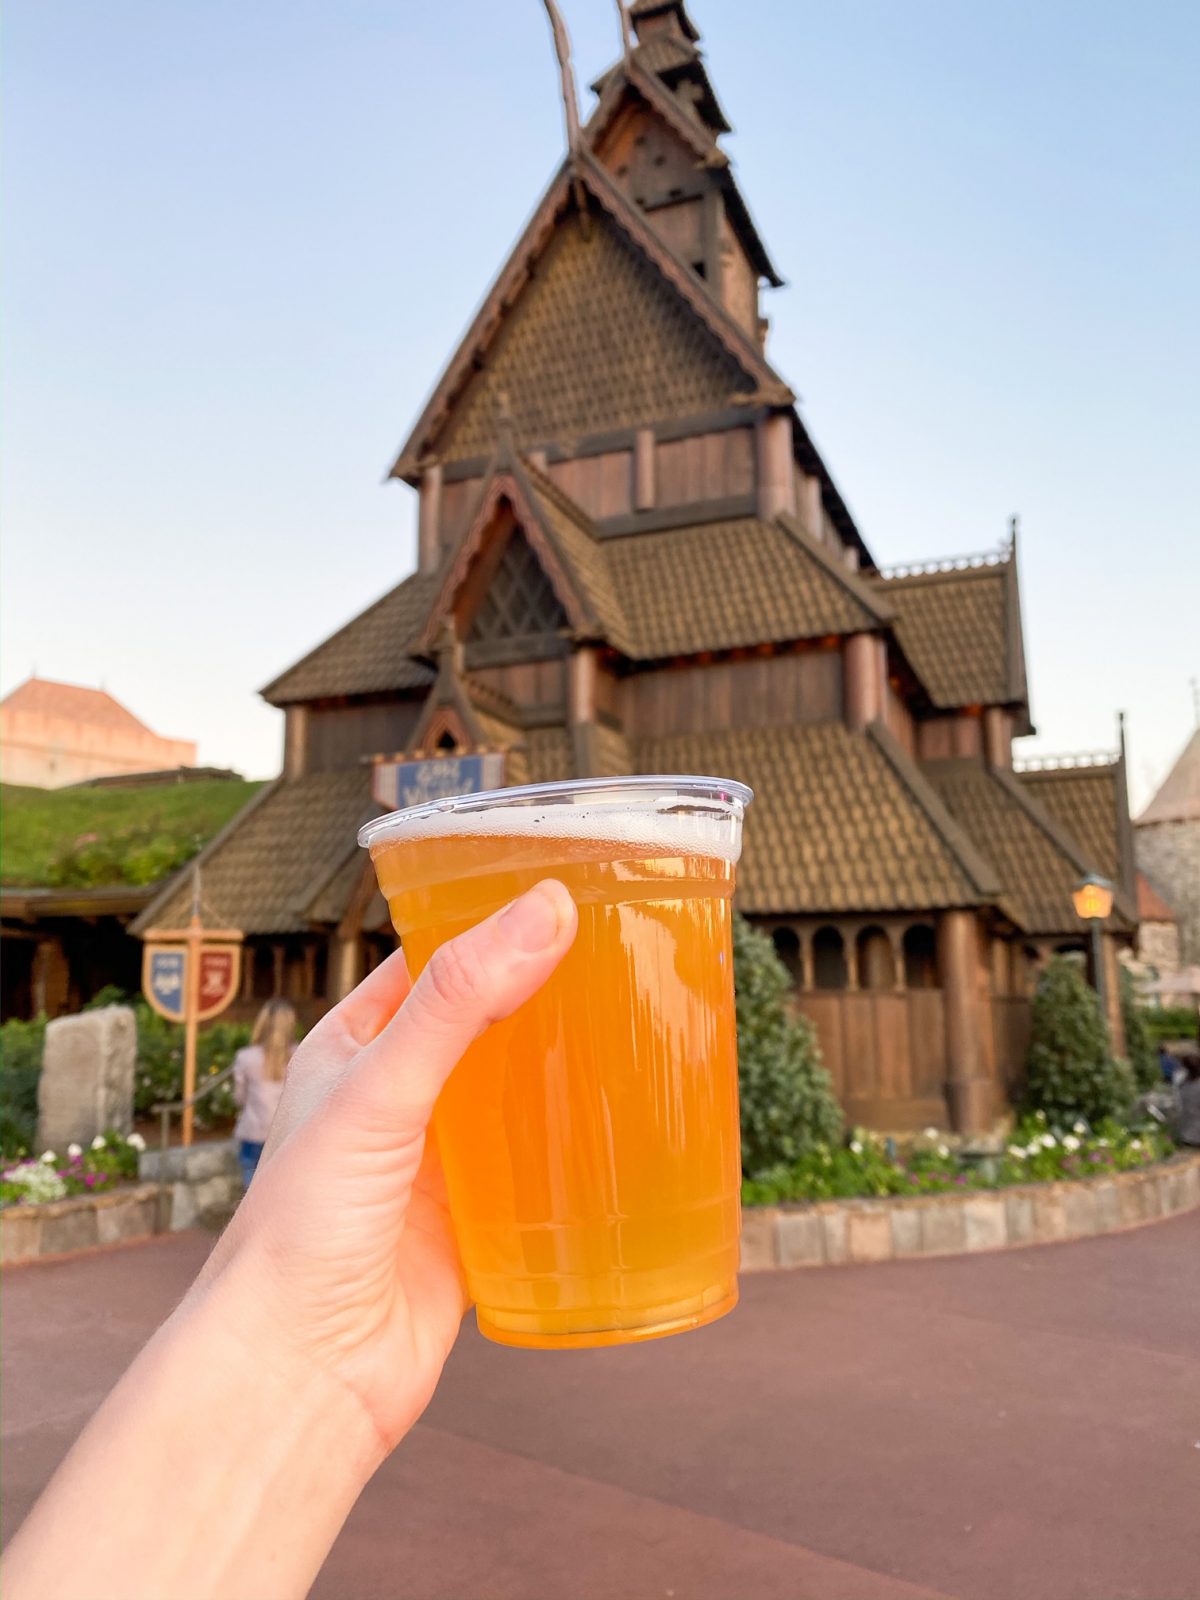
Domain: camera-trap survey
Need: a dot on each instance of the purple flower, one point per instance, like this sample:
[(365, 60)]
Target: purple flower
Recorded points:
[(960, 1177), (89, 1178)]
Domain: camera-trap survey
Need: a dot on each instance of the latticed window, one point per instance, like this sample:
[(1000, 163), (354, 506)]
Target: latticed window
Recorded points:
[(520, 602)]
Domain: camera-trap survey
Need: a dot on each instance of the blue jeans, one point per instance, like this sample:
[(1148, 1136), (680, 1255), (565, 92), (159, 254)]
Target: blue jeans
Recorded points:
[(248, 1156)]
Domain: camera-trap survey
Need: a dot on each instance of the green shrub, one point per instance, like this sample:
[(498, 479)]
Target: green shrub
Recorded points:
[(1165, 1023), (788, 1106), (21, 1045), (1140, 1051), (159, 1077), (1070, 1069)]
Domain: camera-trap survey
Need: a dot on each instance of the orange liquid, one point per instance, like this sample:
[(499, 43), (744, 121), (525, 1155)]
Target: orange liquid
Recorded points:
[(591, 1141)]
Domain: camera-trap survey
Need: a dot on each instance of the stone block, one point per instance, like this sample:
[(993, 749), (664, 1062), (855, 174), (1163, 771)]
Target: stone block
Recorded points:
[(1018, 1216), (210, 1160), (1129, 1193), (1048, 1220), (1079, 1210), (869, 1235), (943, 1228), (132, 1217), (86, 1084), (1152, 1195), (906, 1231), (833, 1228), (69, 1226), (758, 1239), (20, 1234), (184, 1210), (156, 1165), (1108, 1206), (801, 1239), (985, 1222)]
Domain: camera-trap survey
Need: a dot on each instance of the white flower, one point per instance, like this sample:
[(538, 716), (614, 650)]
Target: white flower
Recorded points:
[(1018, 1150), (49, 1157), (136, 1142), (1080, 1127), (1049, 1142), (74, 1151), (99, 1142), (943, 1149), (856, 1146), (931, 1133)]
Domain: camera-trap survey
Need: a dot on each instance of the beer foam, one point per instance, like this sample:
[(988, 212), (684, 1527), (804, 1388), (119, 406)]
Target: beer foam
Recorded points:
[(667, 827)]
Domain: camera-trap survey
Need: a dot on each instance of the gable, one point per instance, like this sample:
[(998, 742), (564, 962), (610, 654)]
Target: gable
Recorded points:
[(597, 339), (519, 602)]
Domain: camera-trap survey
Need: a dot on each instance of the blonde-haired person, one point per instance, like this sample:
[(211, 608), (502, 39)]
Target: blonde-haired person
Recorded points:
[(258, 1073)]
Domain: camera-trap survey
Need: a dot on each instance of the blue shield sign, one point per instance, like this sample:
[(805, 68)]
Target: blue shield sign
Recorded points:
[(165, 978), (413, 783)]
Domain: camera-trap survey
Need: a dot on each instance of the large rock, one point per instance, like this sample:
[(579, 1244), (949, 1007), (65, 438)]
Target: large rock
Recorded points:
[(87, 1077)]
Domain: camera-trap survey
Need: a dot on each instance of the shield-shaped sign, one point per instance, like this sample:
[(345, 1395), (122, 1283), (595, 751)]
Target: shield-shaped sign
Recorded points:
[(164, 979), (220, 971)]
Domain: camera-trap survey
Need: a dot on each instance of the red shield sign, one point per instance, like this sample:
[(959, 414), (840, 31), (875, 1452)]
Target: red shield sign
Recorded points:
[(220, 972)]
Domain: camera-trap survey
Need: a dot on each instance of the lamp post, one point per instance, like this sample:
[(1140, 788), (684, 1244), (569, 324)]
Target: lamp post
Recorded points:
[(1092, 899)]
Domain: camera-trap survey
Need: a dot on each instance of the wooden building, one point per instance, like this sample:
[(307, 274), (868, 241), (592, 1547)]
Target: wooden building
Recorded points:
[(633, 558)]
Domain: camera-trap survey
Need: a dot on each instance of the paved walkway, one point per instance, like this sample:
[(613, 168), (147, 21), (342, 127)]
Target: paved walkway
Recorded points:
[(1023, 1426)]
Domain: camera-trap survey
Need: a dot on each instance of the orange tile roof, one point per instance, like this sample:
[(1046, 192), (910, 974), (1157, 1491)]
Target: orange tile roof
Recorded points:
[(73, 703)]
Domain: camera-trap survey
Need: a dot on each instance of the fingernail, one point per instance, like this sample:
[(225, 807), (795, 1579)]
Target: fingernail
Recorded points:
[(531, 923)]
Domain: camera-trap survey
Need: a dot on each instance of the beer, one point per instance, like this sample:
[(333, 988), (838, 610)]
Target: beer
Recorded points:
[(590, 1141)]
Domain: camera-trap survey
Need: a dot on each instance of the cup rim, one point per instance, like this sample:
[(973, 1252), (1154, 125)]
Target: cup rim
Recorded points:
[(718, 792)]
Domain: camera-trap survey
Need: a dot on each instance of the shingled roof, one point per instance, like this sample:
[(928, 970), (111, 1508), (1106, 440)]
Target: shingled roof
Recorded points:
[(1088, 803), (960, 628), (841, 821), (369, 655), (1178, 796), (1038, 864), (269, 870)]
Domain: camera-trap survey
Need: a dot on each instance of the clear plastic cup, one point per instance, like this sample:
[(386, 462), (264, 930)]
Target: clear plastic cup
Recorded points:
[(590, 1141)]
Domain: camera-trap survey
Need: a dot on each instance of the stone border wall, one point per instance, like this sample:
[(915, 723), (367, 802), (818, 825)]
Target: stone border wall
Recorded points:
[(838, 1231), (59, 1227)]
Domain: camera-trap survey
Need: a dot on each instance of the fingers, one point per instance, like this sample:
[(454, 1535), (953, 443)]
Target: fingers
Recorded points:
[(470, 982), (376, 1000)]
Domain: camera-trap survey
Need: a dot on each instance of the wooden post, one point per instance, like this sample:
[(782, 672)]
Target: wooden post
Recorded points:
[(997, 737), (195, 944), (809, 509), (429, 517), (644, 489), (863, 666), (806, 959), (295, 741), (968, 1093), (776, 469)]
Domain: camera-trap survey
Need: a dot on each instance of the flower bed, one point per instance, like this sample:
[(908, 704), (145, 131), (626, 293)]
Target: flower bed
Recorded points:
[(871, 1166), (110, 1160)]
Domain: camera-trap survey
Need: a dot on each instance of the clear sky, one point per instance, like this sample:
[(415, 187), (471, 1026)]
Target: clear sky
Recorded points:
[(244, 235)]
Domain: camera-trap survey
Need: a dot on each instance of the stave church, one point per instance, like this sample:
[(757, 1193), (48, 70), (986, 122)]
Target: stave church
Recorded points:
[(632, 558)]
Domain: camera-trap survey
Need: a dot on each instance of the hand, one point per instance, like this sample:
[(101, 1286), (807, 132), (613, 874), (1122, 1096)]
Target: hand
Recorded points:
[(343, 1246)]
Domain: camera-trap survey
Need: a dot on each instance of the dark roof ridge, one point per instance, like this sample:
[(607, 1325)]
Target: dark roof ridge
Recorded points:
[(966, 853)]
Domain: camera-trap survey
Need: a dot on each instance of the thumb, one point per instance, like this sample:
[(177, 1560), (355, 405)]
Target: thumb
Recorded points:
[(470, 982)]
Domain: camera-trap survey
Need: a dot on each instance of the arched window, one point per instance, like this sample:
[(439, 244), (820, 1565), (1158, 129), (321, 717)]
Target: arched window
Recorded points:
[(876, 964), (787, 948), (829, 959), (920, 957)]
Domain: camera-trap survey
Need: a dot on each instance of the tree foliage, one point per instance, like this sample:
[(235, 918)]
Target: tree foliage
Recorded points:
[(788, 1106), (1071, 1071), (1139, 1046)]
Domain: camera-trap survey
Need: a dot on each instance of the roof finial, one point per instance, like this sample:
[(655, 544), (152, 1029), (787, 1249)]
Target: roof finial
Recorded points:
[(626, 32), (562, 49), (1013, 524)]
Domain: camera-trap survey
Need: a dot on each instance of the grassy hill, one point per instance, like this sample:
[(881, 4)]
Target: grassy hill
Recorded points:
[(82, 838)]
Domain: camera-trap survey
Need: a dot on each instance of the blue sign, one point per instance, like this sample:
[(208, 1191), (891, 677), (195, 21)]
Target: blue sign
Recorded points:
[(413, 783), (166, 982)]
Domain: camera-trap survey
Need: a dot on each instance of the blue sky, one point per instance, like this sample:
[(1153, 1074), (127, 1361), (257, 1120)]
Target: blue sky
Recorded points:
[(242, 238)]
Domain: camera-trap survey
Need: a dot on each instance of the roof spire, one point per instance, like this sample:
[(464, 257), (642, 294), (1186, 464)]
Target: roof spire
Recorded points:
[(626, 32), (1013, 524), (562, 49)]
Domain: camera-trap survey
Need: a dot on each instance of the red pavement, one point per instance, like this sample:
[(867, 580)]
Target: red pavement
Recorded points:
[(1022, 1426)]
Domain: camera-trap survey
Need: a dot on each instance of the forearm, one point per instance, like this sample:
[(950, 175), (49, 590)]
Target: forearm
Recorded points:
[(215, 1468)]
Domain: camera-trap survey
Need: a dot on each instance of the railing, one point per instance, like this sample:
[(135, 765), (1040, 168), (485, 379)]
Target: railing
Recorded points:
[(921, 569), (1081, 758), (165, 1110)]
